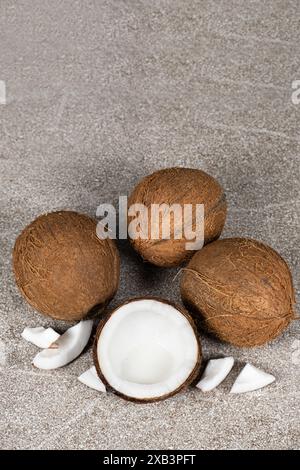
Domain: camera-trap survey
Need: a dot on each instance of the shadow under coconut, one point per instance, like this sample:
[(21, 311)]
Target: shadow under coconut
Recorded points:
[(228, 382), (150, 277), (199, 322), (226, 385)]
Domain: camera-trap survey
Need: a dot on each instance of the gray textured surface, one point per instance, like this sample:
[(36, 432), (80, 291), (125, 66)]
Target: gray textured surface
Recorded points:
[(100, 93)]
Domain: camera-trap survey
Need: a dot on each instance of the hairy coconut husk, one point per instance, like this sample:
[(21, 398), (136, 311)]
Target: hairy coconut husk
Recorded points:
[(63, 269), (179, 186), (240, 290), (194, 376)]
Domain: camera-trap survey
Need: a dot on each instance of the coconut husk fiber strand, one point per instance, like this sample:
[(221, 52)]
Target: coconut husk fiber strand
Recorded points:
[(240, 290)]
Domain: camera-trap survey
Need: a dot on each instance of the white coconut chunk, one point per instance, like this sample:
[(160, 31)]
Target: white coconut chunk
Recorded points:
[(90, 379), (40, 336), (147, 349), (251, 378), (68, 347), (215, 372)]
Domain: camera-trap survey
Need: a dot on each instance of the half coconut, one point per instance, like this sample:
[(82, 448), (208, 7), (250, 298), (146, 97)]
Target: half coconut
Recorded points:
[(147, 349)]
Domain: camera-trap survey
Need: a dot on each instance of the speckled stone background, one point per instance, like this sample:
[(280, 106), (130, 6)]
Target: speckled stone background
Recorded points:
[(98, 94)]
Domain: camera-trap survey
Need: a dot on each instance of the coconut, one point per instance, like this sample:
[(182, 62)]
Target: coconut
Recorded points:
[(178, 186), (239, 290), (147, 350), (62, 269)]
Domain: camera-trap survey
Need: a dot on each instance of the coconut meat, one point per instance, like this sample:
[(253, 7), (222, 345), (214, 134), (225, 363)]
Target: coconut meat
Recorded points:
[(68, 347), (147, 349), (40, 336), (90, 379), (215, 372), (251, 378)]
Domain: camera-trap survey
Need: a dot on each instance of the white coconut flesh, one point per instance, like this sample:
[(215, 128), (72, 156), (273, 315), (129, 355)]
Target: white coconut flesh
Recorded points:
[(147, 349)]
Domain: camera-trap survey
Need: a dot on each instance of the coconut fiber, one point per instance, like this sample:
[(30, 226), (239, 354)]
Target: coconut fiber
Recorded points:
[(240, 290)]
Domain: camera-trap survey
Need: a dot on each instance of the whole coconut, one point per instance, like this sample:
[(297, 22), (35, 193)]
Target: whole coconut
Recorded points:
[(240, 290), (62, 269), (178, 186)]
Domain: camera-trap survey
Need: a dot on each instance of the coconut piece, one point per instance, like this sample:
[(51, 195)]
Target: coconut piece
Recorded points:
[(240, 290), (69, 346), (178, 186), (251, 378), (90, 379), (63, 269), (147, 350), (40, 336), (215, 372)]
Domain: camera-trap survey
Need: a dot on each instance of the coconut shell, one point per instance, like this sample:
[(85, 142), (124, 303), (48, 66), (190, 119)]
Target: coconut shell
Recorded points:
[(193, 377), (240, 290), (178, 186), (63, 269)]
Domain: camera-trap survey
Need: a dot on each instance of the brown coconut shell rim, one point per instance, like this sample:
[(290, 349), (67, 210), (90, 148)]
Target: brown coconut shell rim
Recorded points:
[(191, 378)]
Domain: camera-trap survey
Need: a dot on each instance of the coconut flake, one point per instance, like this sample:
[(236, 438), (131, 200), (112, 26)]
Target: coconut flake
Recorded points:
[(92, 380), (40, 336), (69, 346), (251, 378), (215, 372)]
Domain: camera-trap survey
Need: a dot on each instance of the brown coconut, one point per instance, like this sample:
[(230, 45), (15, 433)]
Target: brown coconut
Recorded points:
[(62, 269), (240, 290), (194, 374), (178, 186)]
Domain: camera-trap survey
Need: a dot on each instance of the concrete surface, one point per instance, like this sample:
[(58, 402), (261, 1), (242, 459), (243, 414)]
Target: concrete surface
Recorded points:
[(99, 93)]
